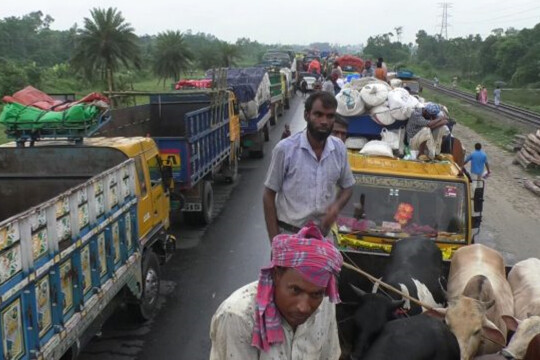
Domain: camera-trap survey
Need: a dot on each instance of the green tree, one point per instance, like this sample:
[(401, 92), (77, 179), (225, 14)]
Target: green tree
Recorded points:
[(105, 43), (171, 55), (229, 54)]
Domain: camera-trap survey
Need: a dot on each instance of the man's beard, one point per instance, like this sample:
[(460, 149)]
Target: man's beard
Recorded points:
[(319, 135)]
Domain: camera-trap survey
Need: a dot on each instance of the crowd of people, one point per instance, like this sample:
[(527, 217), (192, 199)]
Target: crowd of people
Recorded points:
[(288, 312)]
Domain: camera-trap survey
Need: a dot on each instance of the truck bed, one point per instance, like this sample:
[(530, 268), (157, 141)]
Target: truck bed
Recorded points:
[(32, 175), (63, 260)]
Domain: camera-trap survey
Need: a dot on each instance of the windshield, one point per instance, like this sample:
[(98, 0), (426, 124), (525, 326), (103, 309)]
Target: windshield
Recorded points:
[(401, 207)]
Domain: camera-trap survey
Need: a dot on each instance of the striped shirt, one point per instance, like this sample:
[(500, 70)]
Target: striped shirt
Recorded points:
[(416, 123), (305, 186)]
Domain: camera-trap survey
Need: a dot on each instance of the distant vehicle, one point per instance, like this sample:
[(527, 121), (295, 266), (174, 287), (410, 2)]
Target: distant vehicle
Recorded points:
[(310, 78)]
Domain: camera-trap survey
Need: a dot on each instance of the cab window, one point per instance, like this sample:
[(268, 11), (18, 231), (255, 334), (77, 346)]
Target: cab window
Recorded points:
[(140, 175), (154, 167)]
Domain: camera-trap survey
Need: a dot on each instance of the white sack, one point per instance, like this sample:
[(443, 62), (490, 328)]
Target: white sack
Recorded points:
[(377, 147), (349, 103), (374, 94), (382, 115), (401, 104), (396, 83), (355, 143)]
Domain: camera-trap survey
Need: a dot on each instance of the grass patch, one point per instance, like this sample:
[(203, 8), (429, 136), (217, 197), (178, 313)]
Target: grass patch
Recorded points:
[(475, 119)]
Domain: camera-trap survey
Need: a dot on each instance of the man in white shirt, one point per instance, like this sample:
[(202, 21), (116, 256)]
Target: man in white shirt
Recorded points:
[(287, 314), (305, 173)]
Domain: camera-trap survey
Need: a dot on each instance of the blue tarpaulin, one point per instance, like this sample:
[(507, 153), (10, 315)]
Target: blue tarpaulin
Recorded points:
[(244, 82)]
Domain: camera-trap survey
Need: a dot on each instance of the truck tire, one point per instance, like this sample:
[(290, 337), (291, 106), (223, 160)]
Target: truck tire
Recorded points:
[(273, 115), (266, 133), (231, 170), (147, 305), (204, 217)]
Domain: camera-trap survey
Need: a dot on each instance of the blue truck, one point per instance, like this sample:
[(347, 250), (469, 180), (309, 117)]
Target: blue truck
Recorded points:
[(197, 133), (251, 87), (82, 228)]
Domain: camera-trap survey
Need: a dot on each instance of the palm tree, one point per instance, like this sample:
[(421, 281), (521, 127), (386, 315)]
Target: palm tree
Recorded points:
[(171, 55), (229, 54), (105, 43)]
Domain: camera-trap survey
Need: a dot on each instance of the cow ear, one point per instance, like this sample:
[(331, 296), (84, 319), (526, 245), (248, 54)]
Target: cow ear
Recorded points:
[(437, 313), (359, 292), (493, 333), (511, 322)]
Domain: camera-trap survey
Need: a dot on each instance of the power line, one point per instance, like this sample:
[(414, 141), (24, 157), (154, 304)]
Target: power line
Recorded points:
[(444, 24)]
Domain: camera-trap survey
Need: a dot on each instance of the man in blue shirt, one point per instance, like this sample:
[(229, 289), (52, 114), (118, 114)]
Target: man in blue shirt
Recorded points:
[(478, 160)]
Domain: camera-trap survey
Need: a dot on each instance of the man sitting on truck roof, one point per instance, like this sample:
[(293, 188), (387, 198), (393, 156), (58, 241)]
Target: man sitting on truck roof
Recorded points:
[(425, 130), (288, 313)]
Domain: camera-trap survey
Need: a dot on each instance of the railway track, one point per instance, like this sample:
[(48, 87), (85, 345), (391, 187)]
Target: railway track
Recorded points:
[(523, 115)]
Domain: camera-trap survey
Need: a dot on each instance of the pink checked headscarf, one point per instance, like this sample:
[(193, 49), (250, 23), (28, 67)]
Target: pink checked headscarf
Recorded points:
[(309, 253)]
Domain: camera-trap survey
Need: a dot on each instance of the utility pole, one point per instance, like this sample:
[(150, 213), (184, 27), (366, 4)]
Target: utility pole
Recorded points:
[(444, 24)]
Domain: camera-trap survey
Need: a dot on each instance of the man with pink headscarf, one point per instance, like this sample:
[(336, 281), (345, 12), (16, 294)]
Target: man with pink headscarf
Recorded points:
[(288, 314)]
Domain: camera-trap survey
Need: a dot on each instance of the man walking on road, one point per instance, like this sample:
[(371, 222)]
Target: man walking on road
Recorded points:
[(287, 314), (305, 171), (478, 161)]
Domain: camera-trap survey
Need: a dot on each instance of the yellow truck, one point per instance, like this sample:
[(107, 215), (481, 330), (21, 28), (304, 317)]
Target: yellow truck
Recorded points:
[(82, 227), (395, 198)]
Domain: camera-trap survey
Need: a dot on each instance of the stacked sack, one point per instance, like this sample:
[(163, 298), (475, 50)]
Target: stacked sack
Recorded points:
[(383, 102)]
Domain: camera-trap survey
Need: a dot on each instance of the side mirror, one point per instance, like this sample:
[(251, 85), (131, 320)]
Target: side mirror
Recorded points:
[(167, 175), (478, 199)]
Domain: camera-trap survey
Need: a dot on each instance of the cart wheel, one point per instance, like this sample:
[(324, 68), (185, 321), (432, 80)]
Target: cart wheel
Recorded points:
[(147, 305)]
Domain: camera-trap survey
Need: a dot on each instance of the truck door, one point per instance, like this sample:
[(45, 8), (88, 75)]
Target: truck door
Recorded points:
[(144, 207), (160, 211)]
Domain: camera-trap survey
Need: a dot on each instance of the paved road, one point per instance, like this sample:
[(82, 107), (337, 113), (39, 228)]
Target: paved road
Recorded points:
[(209, 265)]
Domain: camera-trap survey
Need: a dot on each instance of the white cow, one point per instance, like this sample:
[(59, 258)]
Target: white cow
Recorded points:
[(524, 279), (478, 296)]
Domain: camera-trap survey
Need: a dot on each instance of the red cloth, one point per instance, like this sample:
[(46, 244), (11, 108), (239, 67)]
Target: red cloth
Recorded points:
[(30, 96), (315, 258), (201, 84), (349, 60), (314, 65)]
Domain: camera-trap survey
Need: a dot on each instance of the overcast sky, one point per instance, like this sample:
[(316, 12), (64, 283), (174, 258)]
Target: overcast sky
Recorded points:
[(295, 21)]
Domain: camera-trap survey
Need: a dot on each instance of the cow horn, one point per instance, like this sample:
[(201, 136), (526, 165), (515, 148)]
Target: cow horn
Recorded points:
[(357, 290)]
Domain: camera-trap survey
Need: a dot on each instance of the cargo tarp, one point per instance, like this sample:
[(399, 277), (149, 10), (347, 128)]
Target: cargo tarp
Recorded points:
[(245, 82), (17, 116)]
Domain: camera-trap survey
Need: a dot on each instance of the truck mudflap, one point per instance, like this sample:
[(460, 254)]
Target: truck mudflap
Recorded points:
[(74, 328)]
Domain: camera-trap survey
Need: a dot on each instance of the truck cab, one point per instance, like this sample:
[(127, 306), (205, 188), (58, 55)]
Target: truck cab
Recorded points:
[(395, 198)]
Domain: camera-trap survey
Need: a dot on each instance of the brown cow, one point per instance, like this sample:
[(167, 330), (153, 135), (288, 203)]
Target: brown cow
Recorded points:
[(524, 279), (478, 296)]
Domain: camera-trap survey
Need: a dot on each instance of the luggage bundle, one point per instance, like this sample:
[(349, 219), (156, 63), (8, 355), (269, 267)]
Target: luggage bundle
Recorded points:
[(384, 103), (31, 110)]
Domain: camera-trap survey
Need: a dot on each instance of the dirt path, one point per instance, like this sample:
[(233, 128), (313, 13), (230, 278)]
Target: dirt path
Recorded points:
[(511, 218)]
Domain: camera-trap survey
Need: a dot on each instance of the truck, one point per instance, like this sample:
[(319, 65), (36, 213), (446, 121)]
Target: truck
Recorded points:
[(392, 199), (251, 87), (83, 226), (198, 135)]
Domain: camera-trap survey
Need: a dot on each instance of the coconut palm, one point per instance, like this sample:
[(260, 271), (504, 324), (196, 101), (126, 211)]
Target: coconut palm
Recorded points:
[(106, 43), (230, 53), (171, 55)]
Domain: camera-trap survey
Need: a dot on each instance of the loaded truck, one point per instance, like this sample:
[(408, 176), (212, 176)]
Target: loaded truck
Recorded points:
[(251, 87), (198, 135), (82, 228)]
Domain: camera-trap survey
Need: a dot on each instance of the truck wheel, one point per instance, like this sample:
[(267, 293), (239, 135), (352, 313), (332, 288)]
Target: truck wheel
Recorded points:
[(273, 117), (266, 133), (231, 170), (256, 154), (147, 305), (204, 217)]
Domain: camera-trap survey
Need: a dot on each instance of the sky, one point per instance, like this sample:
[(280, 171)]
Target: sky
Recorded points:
[(296, 21)]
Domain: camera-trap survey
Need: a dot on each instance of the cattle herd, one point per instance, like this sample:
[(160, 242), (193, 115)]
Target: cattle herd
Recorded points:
[(479, 312)]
